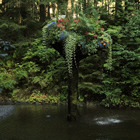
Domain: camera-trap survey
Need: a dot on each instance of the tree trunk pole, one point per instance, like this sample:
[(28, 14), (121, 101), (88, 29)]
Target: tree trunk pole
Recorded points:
[(73, 94), (42, 13)]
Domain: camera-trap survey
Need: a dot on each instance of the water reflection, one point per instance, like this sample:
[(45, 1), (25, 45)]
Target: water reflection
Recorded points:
[(6, 110), (43, 122), (106, 121)]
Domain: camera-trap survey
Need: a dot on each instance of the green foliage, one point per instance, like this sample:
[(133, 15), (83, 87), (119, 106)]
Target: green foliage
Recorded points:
[(35, 73), (10, 30), (121, 85), (7, 82), (41, 68), (35, 97), (38, 66), (132, 31), (70, 48), (51, 35), (90, 78)]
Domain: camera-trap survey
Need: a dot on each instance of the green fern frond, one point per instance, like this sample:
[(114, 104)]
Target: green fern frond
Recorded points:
[(70, 48), (89, 86)]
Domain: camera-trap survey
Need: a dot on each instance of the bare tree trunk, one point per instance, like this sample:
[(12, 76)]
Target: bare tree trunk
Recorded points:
[(23, 10), (105, 5), (84, 5), (48, 11), (108, 6), (42, 13), (53, 7)]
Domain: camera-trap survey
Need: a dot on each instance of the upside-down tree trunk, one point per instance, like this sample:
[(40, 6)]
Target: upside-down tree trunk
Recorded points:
[(73, 93), (73, 112)]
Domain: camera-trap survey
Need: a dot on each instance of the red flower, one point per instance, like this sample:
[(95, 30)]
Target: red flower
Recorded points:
[(86, 33), (59, 20), (76, 21), (58, 25), (95, 36), (102, 29), (88, 39)]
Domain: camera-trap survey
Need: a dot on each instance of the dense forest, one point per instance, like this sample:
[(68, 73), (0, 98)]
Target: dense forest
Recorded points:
[(32, 72)]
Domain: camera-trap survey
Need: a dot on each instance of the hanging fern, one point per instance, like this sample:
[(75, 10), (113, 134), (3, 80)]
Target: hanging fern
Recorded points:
[(70, 48)]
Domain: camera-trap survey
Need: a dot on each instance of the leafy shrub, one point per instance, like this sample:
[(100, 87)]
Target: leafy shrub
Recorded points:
[(35, 97), (41, 69), (90, 76), (7, 82), (121, 85)]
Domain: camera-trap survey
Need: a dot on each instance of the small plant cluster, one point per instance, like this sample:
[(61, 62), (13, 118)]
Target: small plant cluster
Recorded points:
[(43, 98), (82, 33), (7, 81), (38, 97)]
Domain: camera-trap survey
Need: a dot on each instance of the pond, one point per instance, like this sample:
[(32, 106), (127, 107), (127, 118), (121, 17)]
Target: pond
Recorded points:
[(48, 122)]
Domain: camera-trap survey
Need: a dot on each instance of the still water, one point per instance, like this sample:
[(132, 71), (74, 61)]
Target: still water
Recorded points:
[(48, 122)]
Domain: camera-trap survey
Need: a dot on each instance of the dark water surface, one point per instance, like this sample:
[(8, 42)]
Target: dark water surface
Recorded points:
[(45, 122)]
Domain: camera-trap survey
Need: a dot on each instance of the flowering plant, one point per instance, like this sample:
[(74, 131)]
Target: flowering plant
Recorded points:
[(84, 34)]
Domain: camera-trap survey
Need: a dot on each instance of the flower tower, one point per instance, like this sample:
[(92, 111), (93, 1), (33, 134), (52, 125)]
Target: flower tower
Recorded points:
[(75, 39)]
